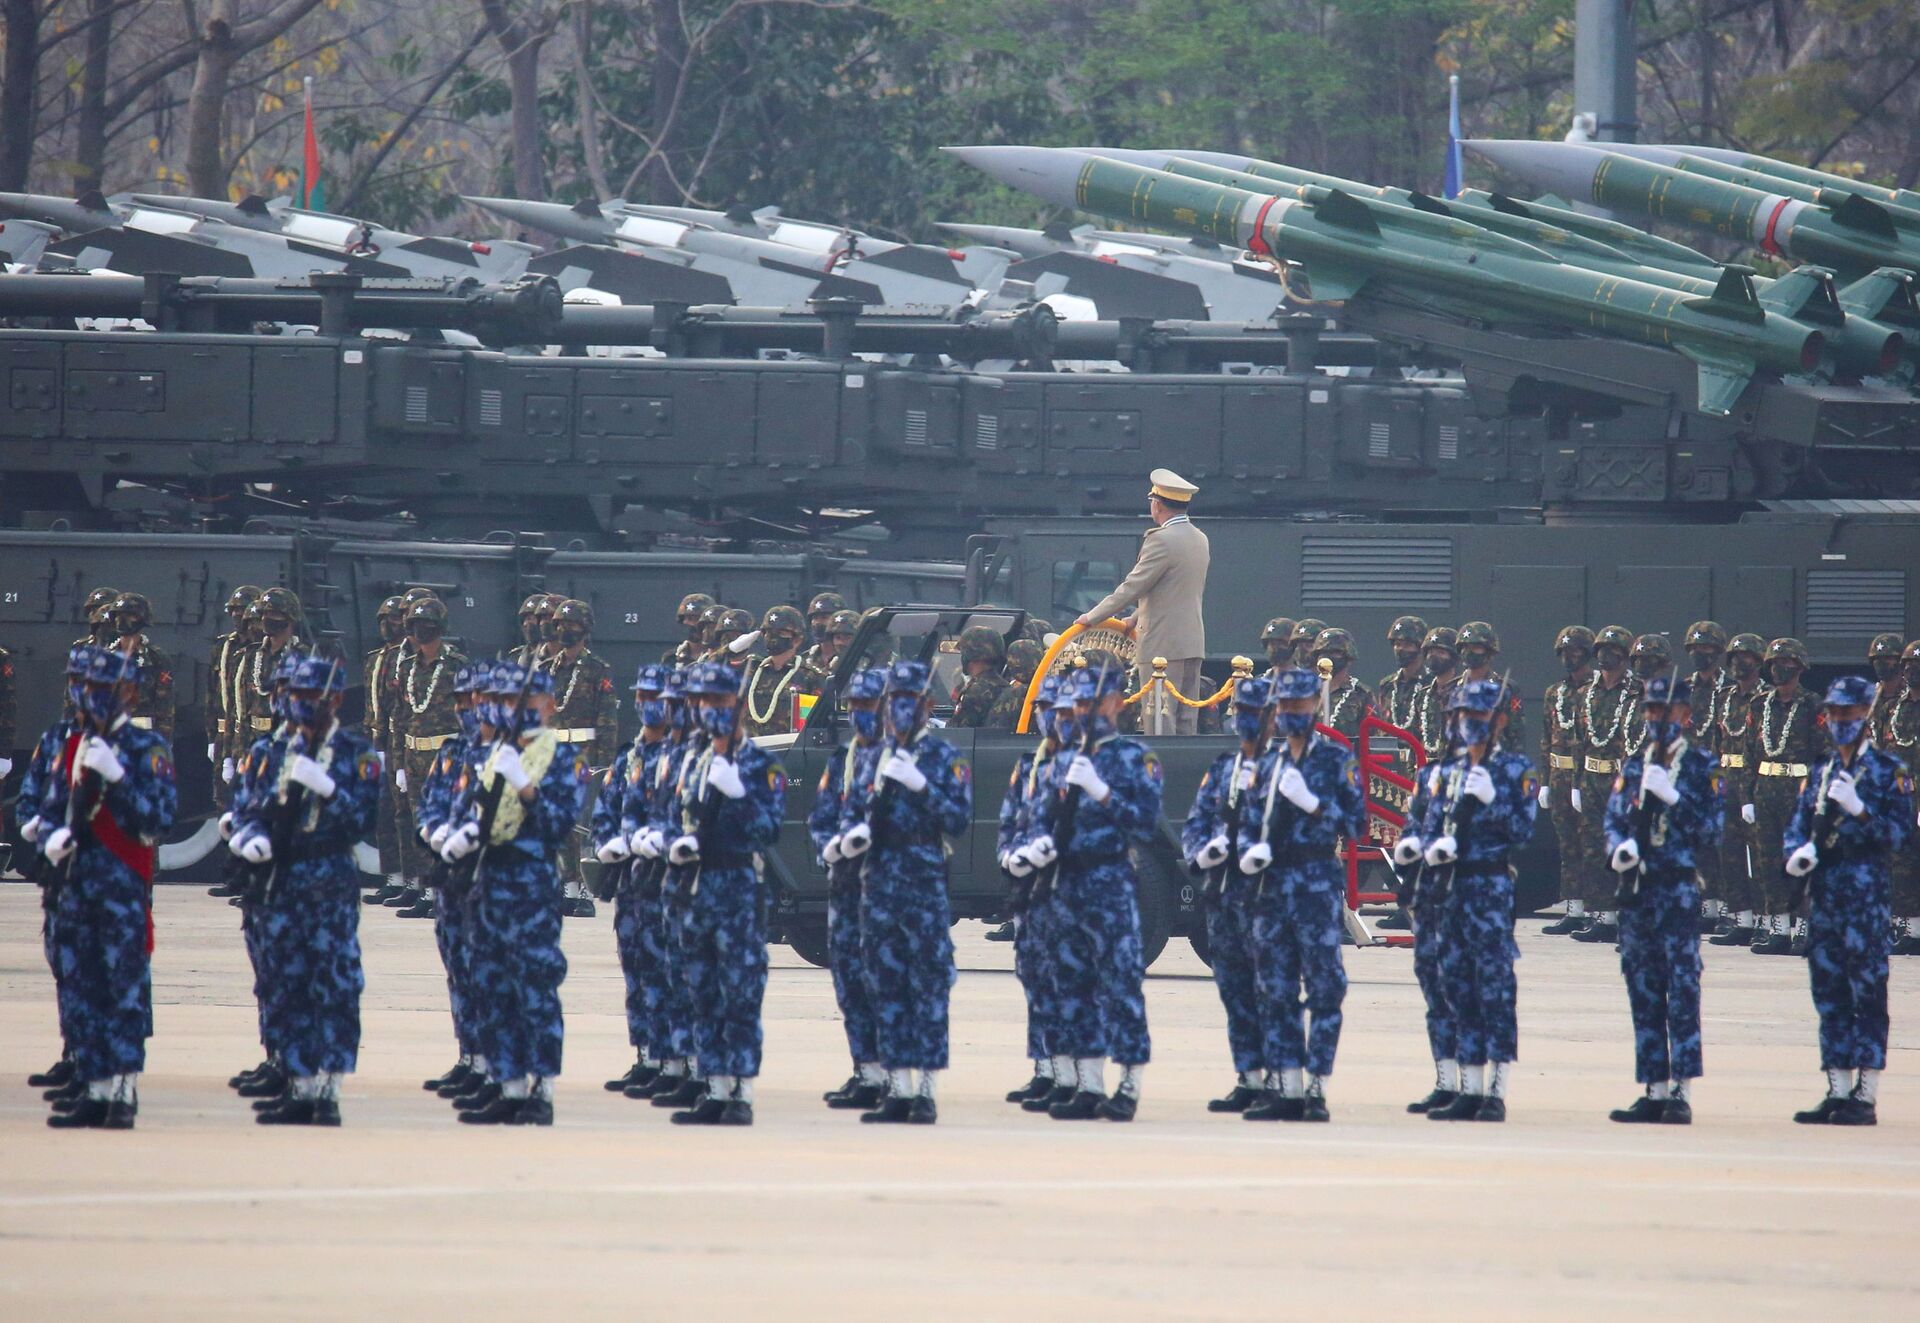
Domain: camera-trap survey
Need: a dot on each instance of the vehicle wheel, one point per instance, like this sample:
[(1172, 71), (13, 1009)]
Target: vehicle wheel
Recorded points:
[(1197, 939), (1157, 905), (807, 935)]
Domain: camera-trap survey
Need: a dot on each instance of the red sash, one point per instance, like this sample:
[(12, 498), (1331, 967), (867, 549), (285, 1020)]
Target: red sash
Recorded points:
[(139, 857)]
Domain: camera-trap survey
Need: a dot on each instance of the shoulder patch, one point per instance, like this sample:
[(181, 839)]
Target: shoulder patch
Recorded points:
[(825, 772), (1152, 763), (776, 777), (367, 767), (962, 770), (1619, 784), (158, 763)]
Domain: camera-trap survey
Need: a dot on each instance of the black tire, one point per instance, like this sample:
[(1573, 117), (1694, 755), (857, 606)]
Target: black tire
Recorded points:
[(807, 935), (1158, 904)]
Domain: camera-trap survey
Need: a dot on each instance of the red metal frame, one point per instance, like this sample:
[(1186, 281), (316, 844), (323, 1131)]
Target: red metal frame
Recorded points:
[(1379, 814)]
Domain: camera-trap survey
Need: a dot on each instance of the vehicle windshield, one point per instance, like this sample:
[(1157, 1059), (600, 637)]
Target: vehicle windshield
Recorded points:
[(933, 635)]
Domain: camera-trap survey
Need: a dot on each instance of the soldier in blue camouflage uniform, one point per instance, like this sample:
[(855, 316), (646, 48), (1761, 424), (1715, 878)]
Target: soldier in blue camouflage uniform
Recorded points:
[(922, 793), (329, 781), (1668, 797), (730, 810), (34, 784), (1207, 843), (1108, 797), (1305, 797), (112, 798), (631, 777), (1855, 809), (655, 820), (535, 783), (444, 796), (1482, 806), (846, 783), (1424, 903), (1028, 791)]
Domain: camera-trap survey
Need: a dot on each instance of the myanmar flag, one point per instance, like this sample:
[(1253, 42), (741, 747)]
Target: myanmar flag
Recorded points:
[(313, 189)]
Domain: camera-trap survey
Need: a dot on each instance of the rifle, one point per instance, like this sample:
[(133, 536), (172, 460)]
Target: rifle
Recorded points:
[(85, 790), (1628, 891), (1215, 887), (1068, 802), (293, 806), (1457, 786), (1823, 829), (461, 874)]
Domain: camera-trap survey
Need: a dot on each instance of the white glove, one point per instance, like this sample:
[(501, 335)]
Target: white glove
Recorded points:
[(1442, 851), (1573, 797), (1408, 850), (1017, 863), (255, 848), (30, 829), (1214, 852), (723, 775), (438, 840), (226, 771), (1039, 851), (313, 776), (1659, 784), (226, 827), (1546, 793), (1746, 814), (461, 842), (647, 842), (59, 845), (1841, 791), (1080, 773), (614, 851), (6, 765), (99, 757), (900, 766), (213, 751), (684, 850), (1479, 784), (1294, 787), (1801, 861), (856, 840), (1244, 779), (507, 763), (1626, 857), (400, 779), (744, 642), (831, 851), (1255, 857)]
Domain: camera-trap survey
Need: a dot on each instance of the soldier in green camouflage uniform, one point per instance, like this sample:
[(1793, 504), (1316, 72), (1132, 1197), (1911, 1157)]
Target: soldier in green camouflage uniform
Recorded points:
[(1706, 647), (1608, 704), (688, 650), (820, 613), (773, 680), (1479, 645), (1036, 628), (532, 617), (390, 621), (1303, 636), (1023, 659), (1783, 744), (1440, 673), (1276, 641), (228, 648), (132, 613), (1561, 749), (731, 646), (1737, 708), (1902, 740), (1348, 701), (424, 717), (98, 612), (586, 715), (983, 659), (1883, 655), (825, 655)]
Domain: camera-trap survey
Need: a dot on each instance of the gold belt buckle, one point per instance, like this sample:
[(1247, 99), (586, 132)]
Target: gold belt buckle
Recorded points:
[(1733, 760), (1560, 762), (1601, 766)]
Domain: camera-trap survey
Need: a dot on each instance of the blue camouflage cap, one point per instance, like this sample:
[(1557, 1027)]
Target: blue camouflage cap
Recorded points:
[(653, 678), (110, 666), (1048, 692), (1850, 691), (283, 670), (1296, 682), (468, 677), (1663, 689), (676, 683), (1475, 696), (1097, 679), (711, 678), (1254, 691), (323, 673), (868, 683), (511, 677), (1063, 696), (908, 677), (78, 659)]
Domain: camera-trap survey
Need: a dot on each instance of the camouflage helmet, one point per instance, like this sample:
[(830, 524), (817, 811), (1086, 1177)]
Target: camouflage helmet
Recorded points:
[(1441, 636), (573, 611), (710, 617), (1407, 629), (1652, 645), (1705, 634), (1911, 652), (1306, 631), (1884, 645), (533, 605), (283, 601), (1748, 643), (1788, 649), (732, 623), (1334, 642), (1479, 634), (843, 622), (429, 609), (239, 598), (783, 619), (134, 606), (1037, 628), (825, 604), (693, 604), (392, 606), (1614, 636), (1573, 636), (413, 595), (99, 603), (1280, 627), (981, 643), (1023, 659)]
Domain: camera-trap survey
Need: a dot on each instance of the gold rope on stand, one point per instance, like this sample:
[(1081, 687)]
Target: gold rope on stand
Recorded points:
[(1242, 669)]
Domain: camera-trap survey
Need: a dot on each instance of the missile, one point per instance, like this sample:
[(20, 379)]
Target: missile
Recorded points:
[(89, 211), (1904, 217), (1025, 242), (1845, 232), (1348, 244), (1800, 174)]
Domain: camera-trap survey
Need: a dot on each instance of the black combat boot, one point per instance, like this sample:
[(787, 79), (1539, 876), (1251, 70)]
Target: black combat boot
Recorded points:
[(1037, 1087), (1646, 1110), (533, 1111), (1238, 1099), (1464, 1107), (860, 1098), (1061, 1095), (53, 1076), (1438, 1098), (269, 1083), (895, 1110), (479, 1100), (737, 1111), (456, 1075), (633, 1076), (686, 1095), (1082, 1106), (705, 1112), (1120, 1107), (500, 1111), (1275, 1106), (1493, 1108)]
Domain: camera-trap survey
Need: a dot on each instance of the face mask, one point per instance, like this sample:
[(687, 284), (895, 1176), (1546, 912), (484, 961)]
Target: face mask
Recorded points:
[(1439, 665), (530, 720), (278, 705), (1784, 672), (1407, 654), (275, 628), (866, 724), (1475, 658), (1611, 658), (1843, 733), (1473, 730), (1295, 723), (100, 702), (1746, 667), (1885, 668), (903, 714), (1645, 667), (717, 721), (390, 631), (1703, 662), (1096, 725), (653, 711), (1573, 660), (496, 712), (570, 638), (470, 722), (1066, 727), (77, 694), (1279, 653), (306, 711), (424, 633), (1247, 725), (1911, 674), (530, 630), (681, 714)]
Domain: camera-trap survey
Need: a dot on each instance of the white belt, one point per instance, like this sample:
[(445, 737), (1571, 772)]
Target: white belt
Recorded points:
[(576, 735), (144, 723)]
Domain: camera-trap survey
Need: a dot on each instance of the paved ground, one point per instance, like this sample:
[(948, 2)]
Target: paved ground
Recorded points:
[(991, 1215)]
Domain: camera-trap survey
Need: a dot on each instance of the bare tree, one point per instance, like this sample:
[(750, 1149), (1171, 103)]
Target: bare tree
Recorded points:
[(223, 43), (19, 71), (521, 33)]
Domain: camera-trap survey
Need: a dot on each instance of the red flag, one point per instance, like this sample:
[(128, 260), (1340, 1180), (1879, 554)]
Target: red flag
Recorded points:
[(312, 192)]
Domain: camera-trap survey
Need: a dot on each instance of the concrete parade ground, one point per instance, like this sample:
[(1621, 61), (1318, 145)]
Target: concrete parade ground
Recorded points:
[(992, 1214)]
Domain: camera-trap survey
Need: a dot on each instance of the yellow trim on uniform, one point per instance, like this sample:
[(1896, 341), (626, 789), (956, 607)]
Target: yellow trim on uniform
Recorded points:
[(1560, 762), (426, 743), (1783, 769), (1169, 494), (1603, 765)]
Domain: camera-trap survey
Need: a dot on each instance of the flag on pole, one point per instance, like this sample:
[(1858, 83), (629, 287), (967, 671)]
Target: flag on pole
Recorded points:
[(1451, 187), (313, 190)]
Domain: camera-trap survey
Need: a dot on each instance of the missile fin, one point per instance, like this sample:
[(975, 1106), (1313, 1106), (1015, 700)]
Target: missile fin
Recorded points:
[(1857, 213), (1335, 283), (1722, 381), (1806, 292), (1883, 295), (1344, 209), (1732, 297), (1428, 203), (588, 207)]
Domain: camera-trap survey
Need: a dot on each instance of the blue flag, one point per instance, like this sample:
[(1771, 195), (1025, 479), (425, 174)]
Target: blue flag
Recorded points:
[(1451, 187)]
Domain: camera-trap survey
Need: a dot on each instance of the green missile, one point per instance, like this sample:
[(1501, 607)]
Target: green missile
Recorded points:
[(1902, 215), (1800, 174), (1347, 244)]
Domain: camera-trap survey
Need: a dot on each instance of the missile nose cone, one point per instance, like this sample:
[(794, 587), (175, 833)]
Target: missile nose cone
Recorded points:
[(1552, 167), (1047, 173)]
